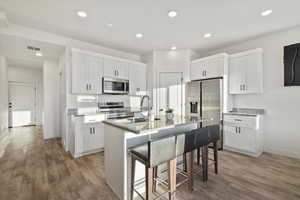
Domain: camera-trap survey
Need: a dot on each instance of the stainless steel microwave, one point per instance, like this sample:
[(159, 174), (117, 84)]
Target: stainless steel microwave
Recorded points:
[(115, 86)]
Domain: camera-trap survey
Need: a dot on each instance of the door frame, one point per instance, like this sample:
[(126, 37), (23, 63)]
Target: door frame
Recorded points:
[(29, 84)]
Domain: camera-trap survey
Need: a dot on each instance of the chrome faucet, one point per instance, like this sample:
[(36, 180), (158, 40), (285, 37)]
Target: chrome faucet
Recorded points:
[(142, 102)]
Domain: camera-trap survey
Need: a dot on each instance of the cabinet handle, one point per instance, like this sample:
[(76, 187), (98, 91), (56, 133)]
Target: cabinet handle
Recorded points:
[(94, 130), (117, 73), (236, 129), (90, 130), (241, 88), (239, 129), (245, 87), (87, 86), (205, 73)]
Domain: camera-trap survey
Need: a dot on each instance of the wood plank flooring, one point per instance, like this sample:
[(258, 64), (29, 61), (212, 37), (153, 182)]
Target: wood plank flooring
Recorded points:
[(34, 169)]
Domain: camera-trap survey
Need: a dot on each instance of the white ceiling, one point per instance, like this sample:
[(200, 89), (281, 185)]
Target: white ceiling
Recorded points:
[(15, 49), (228, 20)]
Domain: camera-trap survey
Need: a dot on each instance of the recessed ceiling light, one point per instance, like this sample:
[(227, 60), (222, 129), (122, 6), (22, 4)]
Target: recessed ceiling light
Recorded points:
[(172, 13), (173, 48), (82, 14), (39, 54), (207, 35), (109, 25), (139, 35), (266, 12)]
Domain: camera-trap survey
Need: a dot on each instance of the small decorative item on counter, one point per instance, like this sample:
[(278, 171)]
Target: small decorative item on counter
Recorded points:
[(169, 114)]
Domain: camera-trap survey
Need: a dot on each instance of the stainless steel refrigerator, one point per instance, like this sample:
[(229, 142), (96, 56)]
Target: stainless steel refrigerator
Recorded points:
[(205, 99)]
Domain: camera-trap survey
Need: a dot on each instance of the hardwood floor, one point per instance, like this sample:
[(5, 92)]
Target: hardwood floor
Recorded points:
[(31, 168)]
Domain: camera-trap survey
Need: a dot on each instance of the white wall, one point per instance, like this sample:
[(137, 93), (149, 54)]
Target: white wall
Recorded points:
[(165, 61), (282, 104), (3, 95), (29, 75), (51, 100)]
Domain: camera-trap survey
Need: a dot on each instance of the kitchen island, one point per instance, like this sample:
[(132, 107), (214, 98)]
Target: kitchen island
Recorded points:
[(123, 134)]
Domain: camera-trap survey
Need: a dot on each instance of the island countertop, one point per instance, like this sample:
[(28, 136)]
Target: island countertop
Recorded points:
[(153, 125)]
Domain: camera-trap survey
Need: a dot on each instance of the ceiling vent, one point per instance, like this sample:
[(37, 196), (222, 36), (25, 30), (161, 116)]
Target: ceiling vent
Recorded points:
[(3, 20)]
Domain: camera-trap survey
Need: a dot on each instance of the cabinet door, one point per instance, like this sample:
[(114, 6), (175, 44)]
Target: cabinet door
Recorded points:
[(96, 139), (110, 67), (79, 73), (82, 135), (236, 75), (137, 79), (122, 70), (215, 68), (231, 137), (197, 70), (254, 73), (95, 75), (247, 139)]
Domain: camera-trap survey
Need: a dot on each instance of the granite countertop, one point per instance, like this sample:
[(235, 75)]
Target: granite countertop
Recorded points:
[(155, 125), (74, 112), (246, 111)]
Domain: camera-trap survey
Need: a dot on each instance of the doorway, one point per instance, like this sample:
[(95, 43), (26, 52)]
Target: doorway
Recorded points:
[(22, 104), (171, 91)]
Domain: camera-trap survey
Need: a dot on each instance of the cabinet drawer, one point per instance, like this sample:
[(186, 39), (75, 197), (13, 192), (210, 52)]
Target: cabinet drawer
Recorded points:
[(242, 121), (93, 118)]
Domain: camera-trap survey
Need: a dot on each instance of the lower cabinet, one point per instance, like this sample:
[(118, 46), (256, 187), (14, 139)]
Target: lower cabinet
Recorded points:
[(243, 134), (88, 137)]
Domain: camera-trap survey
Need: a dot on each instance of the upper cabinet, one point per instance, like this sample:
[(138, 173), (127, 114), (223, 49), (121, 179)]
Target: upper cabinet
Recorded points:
[(246, 72), (87, 71), (115, 68), (137, 79), (209, 67), (89, 68)]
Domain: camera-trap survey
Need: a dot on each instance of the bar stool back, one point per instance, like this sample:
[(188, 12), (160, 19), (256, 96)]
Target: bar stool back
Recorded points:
[(152, 154)]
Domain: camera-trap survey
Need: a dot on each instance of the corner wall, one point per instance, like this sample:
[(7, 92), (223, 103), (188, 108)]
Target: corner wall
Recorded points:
[(3, 95), (51, 100)]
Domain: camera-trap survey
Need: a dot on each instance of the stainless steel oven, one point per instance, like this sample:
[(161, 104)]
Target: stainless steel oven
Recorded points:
[(115, 85)]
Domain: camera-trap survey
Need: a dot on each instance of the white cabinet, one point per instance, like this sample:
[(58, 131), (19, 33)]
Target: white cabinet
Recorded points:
[(88, 135), (209, 67), (116, 68), (137, 79), (246, 72), (87, 72), (243, 134)]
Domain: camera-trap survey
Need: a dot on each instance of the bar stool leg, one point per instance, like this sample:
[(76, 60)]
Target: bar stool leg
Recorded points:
[(216, 156), (172, 178), (132, 176), (198, 156), (154, 178), (189, 163), (205, 162), (149, 183)]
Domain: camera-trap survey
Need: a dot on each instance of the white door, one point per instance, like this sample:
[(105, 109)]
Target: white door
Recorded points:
[(171, 91), (22, 100)]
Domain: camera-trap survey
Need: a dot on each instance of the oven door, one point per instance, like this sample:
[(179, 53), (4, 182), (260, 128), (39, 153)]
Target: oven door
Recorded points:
[(115, 86)]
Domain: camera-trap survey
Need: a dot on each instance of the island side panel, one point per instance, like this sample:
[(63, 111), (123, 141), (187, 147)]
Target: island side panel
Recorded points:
[(115, 152)]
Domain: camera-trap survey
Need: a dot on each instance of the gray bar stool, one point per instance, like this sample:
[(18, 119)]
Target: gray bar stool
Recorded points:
[(153, 154), (214, 136)]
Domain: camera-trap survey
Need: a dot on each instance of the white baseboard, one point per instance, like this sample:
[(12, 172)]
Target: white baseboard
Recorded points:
[(281, 152)]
